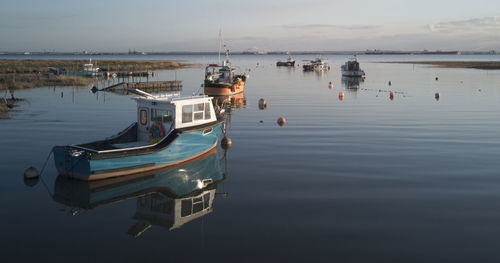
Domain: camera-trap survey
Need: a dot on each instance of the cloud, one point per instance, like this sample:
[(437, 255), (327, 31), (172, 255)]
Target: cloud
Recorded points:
[(330, 26), (489, 24)]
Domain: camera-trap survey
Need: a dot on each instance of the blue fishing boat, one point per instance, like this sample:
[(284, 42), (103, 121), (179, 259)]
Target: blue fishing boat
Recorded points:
[(168, 198), (169, 130)]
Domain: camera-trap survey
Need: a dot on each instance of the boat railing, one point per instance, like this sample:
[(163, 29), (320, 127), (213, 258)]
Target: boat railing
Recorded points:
[(123, 149)]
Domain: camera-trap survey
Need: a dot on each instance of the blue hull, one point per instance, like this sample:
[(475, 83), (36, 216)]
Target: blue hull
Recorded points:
[(174, 182), (187, 146)]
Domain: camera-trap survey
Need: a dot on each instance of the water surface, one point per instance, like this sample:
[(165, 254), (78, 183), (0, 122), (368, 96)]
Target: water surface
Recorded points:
[(361, 179)]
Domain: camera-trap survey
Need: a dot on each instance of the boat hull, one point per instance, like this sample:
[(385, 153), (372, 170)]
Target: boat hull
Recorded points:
[(188, 146), (353, 73), (224, 89), (285, 64)]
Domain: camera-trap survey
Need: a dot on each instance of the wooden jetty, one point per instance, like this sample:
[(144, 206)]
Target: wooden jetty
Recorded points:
[(150, 86)]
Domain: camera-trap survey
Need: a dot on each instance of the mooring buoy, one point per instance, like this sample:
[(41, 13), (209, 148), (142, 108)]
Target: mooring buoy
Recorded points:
[(436, 96), (31, 176), (330, 85), (226, 143), (262, 104), (391, 95), (341, 95), (281, 121), (31, 173)]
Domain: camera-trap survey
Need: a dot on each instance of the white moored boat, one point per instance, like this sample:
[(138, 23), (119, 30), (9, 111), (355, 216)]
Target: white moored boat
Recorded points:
[(351, 68)]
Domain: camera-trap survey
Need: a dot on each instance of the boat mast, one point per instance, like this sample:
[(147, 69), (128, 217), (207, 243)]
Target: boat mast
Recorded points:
[(220, 44)]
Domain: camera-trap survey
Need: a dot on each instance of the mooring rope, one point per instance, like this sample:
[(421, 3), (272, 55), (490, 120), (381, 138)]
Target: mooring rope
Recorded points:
[(41, 173)]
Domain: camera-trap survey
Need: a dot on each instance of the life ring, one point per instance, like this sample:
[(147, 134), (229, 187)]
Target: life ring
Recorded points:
[(156, 132)]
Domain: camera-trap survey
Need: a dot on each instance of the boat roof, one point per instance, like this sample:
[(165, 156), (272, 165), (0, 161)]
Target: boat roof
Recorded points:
[(170, 97)]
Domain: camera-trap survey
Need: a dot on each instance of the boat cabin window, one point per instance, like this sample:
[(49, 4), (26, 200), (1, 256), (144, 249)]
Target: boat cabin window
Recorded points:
[(196, 112), (158, 115), (143, 117), (187, 113), (194, 205), (207, 111)]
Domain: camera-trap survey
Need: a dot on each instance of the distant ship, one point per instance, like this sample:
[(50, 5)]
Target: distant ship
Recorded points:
[(290, 62), (317, 64)]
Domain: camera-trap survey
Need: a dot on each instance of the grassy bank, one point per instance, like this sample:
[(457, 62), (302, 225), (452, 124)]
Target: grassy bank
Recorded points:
[(30, 73), (456, 64), (26, 81)]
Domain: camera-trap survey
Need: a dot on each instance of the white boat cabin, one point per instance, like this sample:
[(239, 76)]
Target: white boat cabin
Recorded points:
[(172, 112)]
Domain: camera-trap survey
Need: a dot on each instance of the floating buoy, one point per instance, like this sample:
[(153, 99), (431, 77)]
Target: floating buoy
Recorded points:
[(341, 95), (31, 176), (436, 96), (94, 89), (262, 104), (226, 143), (261, 121), (437, 78), (390, 83), (31, 173), (281, 121), (391, 95), (330, 85)]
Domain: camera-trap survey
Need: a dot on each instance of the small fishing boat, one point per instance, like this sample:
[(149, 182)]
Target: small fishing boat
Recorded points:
[(87, 70), (167, 198), (222, 80), (169, 130), (351, 68), (290, 62), (317, 64)]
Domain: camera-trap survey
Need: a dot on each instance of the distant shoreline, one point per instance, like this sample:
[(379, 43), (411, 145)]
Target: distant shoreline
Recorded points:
[(493, 65), (144, 54)]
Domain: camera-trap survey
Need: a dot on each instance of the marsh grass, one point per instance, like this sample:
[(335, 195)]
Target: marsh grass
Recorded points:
[(31, 73)]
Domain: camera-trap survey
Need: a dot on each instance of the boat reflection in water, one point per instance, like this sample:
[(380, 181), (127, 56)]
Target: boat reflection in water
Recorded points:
[(230, 102), (352, 83), (168, 198)]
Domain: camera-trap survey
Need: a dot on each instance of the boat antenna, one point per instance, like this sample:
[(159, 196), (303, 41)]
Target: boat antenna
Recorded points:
[(220, 44)]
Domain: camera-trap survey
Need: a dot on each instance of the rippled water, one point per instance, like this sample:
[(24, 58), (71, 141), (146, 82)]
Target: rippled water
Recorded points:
[(367, 178)]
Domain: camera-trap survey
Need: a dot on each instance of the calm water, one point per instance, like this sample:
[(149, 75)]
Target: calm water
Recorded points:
[(365, 179)]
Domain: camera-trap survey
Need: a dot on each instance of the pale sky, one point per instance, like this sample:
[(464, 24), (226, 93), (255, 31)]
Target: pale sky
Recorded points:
[(184, 25)]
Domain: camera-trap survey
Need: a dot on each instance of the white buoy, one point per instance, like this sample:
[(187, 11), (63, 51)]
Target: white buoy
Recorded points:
[(31, 173), (262, 104)]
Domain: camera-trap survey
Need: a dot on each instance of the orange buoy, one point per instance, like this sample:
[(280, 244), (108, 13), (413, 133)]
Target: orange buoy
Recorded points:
[(391, 95), (281, 121), (341, 95), (436, 96), (330, 85)]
